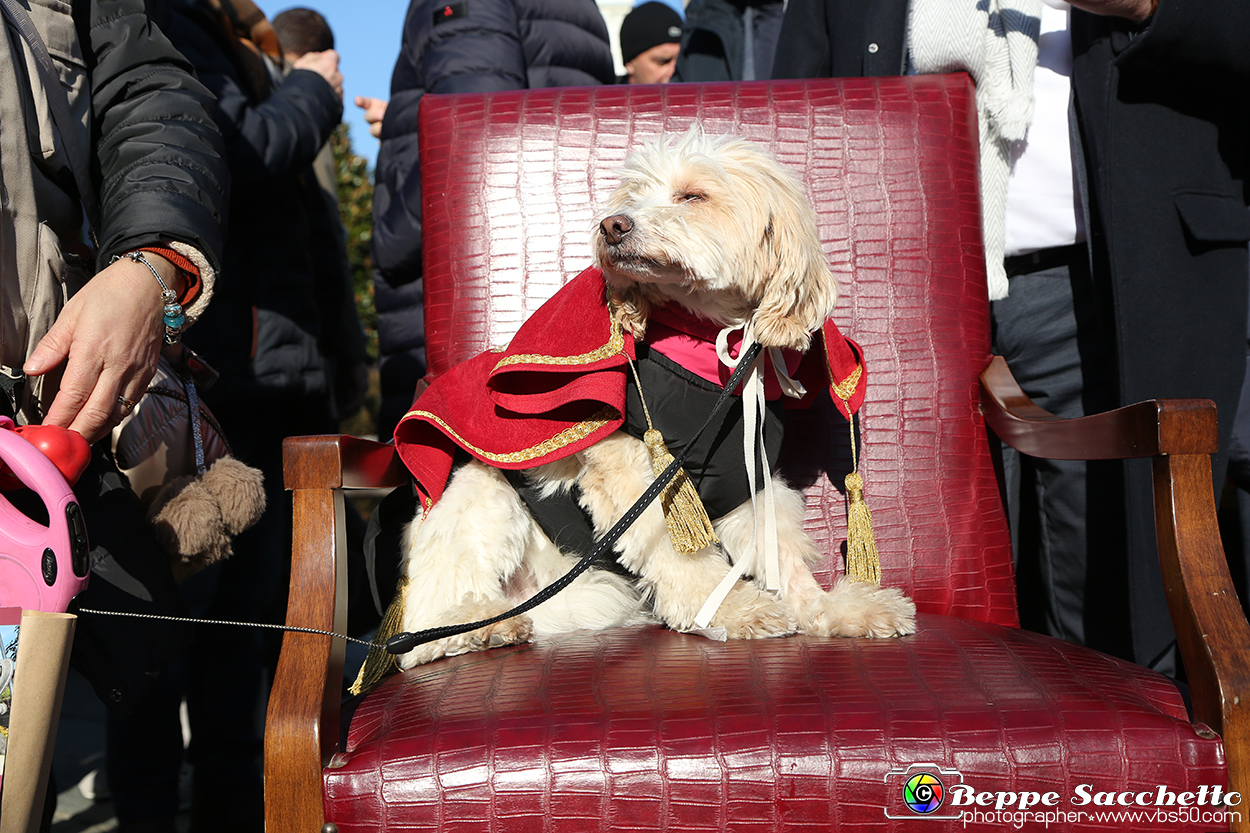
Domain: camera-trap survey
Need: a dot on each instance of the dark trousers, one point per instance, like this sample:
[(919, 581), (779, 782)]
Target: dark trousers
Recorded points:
[(221, 676), (1067, 517)]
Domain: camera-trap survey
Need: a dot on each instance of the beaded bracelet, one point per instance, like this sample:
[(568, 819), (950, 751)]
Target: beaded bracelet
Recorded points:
[(173, 317)]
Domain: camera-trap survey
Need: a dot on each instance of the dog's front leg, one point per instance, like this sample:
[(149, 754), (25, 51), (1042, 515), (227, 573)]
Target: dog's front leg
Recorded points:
[(618, 471), (458, 560), (851, 608)]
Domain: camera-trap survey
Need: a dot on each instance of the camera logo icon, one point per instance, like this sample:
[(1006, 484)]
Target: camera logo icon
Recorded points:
[(924, 793), (920, 791)]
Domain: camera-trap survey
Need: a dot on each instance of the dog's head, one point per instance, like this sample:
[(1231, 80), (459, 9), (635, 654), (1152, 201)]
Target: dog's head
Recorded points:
[(720, 227)]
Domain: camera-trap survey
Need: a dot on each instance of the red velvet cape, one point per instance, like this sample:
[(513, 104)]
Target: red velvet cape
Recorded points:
[(559, 387)]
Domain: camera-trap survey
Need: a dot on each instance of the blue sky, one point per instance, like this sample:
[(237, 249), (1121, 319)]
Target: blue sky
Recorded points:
[(367, 34)]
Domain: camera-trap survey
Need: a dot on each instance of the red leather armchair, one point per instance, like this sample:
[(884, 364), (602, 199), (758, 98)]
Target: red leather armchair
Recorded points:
[(646, 729)]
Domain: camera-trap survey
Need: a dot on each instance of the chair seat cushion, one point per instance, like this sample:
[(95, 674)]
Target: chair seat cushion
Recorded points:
[(646, 729)]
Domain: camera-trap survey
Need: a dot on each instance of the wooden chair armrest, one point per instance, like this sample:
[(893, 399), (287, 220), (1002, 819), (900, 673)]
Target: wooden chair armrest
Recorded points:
[(339, 461), (1180, 435), (1145, 429), (302, 724)]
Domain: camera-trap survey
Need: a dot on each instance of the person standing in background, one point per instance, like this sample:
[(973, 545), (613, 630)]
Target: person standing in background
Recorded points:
[(1113, 152), (729, 40), (650, 42), (467, 46), (301, 31), (264, 335)]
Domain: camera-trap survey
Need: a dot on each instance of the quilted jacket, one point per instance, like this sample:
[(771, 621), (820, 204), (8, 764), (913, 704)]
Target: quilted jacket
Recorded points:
[(144, 139), (162, 175)]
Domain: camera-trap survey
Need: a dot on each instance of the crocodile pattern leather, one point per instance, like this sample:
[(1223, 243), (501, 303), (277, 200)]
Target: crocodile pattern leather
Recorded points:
[(648, 729), (644, 729)]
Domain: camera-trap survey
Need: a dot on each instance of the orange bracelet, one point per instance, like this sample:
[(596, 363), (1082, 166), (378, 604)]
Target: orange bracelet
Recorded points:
[(190, 273)]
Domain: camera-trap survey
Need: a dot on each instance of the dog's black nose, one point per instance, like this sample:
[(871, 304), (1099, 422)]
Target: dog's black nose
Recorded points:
[(615, 228)]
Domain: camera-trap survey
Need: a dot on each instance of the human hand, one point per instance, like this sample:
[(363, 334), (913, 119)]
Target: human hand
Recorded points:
[(325, 64), (375, 110), (1136, 10), (108, 337)]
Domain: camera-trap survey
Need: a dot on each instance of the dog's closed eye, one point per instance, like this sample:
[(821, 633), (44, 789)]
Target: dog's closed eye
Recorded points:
[(690, 196)]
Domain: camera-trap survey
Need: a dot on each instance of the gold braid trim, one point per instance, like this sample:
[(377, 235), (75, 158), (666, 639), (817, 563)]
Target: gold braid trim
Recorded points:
[(614, 345), (568, 436), (846, 388)]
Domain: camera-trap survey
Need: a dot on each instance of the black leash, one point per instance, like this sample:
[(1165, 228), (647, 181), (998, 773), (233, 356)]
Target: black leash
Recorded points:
[(402, 643)]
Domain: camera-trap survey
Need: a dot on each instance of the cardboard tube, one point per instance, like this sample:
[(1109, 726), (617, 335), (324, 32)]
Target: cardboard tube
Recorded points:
[(43, 646)]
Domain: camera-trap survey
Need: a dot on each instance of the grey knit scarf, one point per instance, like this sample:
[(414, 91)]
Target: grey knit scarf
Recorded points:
[(995, 41)]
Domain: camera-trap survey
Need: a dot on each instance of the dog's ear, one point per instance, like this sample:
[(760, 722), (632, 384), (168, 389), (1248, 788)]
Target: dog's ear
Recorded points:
[(799, 290)]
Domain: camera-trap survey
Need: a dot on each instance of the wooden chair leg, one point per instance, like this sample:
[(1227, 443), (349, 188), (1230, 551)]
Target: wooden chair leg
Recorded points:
[(302, 725), (1211, 628)]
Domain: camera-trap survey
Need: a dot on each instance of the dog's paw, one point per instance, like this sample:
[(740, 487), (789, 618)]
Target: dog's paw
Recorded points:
[(858, 608), (750, 613), (508, 632)]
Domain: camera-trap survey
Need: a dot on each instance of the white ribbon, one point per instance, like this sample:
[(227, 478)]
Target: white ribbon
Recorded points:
[(753, 450)]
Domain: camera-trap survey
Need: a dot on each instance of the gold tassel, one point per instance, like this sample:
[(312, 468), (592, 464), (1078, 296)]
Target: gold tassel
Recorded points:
[(689, 527), (379, 662), (862, 561), (688, 524)]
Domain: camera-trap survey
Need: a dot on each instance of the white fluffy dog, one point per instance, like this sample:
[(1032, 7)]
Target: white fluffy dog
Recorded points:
[(721, 229)]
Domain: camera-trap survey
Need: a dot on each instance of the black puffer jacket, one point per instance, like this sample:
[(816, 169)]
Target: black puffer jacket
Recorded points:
[(470, 46), (162, 175), (264, 328)]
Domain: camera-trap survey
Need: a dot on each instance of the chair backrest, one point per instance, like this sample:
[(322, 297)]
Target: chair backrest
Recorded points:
[(512, 183)]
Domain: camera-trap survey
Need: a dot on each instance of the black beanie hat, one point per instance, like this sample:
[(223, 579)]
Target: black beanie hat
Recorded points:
[(648, 25)]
